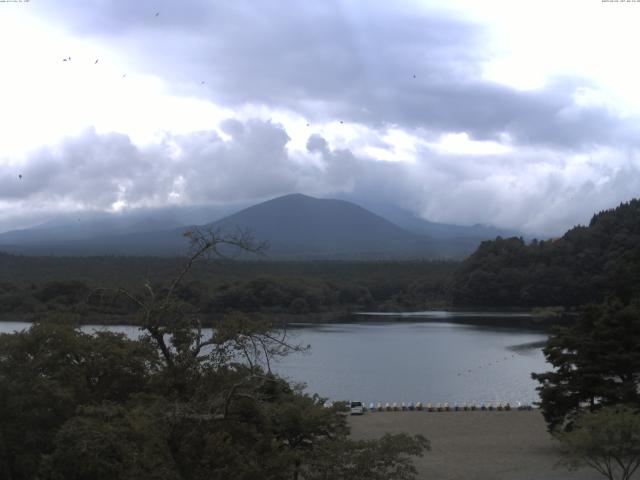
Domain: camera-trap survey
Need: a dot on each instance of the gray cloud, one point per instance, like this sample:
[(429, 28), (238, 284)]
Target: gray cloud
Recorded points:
[(97, 170), (537, 192), (86, 168), (533, 190), (344, 60), (332, 60)]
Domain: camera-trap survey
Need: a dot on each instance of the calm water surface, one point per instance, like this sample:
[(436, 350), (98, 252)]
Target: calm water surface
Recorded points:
[(407, 361)]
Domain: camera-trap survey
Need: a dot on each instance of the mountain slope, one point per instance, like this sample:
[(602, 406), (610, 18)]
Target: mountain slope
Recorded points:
[(585, 265), (296, 227), (442, 231), (301, 225), (92, 225)]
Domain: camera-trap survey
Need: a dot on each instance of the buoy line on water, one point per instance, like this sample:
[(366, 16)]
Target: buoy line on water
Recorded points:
[(439, 407)]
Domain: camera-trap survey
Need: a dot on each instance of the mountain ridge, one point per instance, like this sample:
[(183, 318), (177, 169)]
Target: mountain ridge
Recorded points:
[(297, 226)]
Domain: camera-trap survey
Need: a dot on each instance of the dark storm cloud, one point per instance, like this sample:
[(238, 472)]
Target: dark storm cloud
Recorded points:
[(376, 63)]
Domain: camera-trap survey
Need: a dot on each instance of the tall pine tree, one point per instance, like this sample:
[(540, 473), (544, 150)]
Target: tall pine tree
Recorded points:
[(597, 363)]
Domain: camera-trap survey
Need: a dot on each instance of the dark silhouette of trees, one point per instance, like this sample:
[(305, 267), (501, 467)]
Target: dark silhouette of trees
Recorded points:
[(596, 363), (607, 440), (585, 265)]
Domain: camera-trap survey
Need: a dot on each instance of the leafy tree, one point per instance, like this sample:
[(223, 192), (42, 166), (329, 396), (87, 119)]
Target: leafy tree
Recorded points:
[(50, 370), (607, 440), (175, 404), (388, 457), (66, 292), (108, 441), (596, 361)]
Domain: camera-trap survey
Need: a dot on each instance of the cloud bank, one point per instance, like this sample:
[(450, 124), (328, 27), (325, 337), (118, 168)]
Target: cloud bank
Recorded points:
[(544, 192), (375, 101)]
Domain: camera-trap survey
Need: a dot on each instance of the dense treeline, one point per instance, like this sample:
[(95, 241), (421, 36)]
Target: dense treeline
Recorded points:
[(586, 265), (110, 270), (29, 285)]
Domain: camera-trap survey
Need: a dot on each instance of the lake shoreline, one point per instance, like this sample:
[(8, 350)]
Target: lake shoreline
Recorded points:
[(502, 318), (422, 361)]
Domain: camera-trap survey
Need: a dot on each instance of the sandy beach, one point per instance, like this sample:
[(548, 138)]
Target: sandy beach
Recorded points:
[(493, 445)]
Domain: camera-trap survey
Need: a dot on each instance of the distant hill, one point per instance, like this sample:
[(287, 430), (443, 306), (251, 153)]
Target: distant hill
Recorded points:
[(90, 225), (82, 229), (296, 227), (302, 226), (443, 231), (585, 265)]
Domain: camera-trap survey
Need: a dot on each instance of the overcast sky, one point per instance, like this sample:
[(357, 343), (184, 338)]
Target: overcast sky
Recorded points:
[(521, 114)]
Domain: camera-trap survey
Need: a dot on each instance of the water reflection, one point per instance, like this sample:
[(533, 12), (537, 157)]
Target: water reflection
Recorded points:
[(418, 361), (405, 361)]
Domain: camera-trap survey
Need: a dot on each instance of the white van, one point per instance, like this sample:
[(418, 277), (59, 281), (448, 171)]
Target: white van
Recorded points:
[(356, 408)]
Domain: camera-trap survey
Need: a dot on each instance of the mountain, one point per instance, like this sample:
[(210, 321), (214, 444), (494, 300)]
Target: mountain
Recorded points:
[(296, 227), (82, 229), (443, 231), (64, 229), (586, 264)]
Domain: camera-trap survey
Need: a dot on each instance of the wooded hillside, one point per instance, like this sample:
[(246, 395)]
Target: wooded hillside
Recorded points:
[(585, 265)]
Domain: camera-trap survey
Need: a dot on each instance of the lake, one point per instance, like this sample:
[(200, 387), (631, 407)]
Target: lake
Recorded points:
[(428, 358)]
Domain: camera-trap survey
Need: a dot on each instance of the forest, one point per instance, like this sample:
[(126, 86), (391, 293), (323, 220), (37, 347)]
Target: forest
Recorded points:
[(586, 265), (30, 286)]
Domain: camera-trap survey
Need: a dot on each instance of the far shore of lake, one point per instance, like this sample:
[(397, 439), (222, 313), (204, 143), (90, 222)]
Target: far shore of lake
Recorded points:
[(503, 318)]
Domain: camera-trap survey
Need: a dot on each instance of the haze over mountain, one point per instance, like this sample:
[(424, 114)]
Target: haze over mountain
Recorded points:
[(295, 226), (413, 223), (83, 226)]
